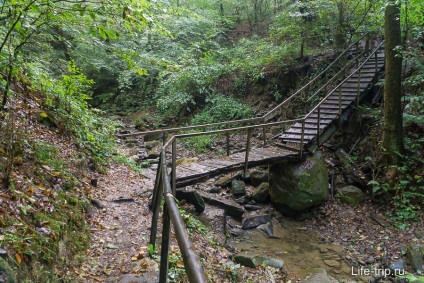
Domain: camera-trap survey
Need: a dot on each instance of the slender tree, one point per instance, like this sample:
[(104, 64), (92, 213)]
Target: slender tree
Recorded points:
[(392, 134)]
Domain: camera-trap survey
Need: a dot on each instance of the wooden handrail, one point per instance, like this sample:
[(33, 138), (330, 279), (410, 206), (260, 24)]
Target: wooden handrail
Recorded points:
[(249, 120), (165, 183), (348, 77)]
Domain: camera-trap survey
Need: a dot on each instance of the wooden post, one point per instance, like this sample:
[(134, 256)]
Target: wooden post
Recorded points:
[(376, 62), (302, 138), (174, 166), (163, 138), (156, 187), (227, 134), (356, 54), (318, 123), (246, 159), (359, 88), (164, 253), (340, 100), (157, 199), (264, 134)]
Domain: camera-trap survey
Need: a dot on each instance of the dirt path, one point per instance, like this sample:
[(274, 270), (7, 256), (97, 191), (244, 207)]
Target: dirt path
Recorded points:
[(120, 224)]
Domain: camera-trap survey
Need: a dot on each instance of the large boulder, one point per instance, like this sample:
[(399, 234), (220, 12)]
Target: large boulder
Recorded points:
[(295, 187)]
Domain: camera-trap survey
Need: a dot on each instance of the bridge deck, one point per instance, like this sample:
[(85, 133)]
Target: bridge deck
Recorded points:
[(194, 172)]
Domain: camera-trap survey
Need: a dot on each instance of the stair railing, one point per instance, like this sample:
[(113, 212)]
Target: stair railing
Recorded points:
[(338, 88), (353, 46), (165, 183), (165, 186), (266, 117)]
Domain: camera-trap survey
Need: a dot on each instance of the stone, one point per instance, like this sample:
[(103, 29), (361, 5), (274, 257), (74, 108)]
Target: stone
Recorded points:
[(398, 265), (369, 260), (214, 190), (339, 181), (152, 144), (350, 195), (252, 207), (6, 272), (227, 179), (261, 193), (295, 187), (255, 261), (415, 258), (258, 176), (267, 228), (253, 221), (231, 207), (332, 263), (192, 197), (153, 155), (284, 224), (153, 136), (314, 275), (238, 187), (323, 250)]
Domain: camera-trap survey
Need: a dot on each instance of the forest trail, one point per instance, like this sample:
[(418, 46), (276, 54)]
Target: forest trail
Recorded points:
[(120, 224)]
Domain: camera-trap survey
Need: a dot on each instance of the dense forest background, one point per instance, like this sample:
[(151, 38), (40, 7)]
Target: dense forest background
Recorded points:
[(162, 63)]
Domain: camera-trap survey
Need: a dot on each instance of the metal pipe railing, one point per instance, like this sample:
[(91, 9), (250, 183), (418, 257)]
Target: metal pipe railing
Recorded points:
[(165, 183)]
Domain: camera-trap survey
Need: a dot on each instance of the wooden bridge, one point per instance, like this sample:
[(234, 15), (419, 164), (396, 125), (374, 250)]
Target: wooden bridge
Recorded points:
[(354, 73)]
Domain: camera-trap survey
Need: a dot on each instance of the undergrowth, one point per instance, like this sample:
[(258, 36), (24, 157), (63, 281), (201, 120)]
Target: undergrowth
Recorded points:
[(219, 108)]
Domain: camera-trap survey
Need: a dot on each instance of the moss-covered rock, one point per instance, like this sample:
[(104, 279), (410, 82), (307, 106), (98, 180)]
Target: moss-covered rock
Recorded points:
[(258, 176), (261, 193), (295, 187), (350, 195)]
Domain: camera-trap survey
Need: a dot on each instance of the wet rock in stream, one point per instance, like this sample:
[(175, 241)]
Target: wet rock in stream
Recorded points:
[(255, 261), (267, 229), (255, 220)]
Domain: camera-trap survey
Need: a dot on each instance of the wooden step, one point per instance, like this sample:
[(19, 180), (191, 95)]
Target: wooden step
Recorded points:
[(295, 137), (343, 101), (335, 100)]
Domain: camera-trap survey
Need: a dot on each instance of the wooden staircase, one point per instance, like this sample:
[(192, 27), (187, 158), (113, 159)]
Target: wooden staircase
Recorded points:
[(350, 92)]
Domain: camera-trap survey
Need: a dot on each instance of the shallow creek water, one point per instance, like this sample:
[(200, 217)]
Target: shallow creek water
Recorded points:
[(300, 247)]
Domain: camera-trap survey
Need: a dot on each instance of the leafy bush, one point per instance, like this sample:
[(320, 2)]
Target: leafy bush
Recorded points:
[(219, 108), (67, 100)]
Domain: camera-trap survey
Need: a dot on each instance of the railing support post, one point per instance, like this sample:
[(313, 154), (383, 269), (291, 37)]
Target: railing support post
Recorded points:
[(356, 53), (174, 166), (164, 253), (246, 159), (156, 187), (227, 134), (376, 62), (302, 138), (318, 123), (264, 134), (340, 100), (156, 201), (163, 138), (359, 88)]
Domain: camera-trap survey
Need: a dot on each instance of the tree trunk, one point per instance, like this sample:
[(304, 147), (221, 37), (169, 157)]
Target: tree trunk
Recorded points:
[(392, 133)]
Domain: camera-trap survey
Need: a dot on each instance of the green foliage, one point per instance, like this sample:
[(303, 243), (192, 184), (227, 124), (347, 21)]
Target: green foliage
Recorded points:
[(409, 198), (219, 108), (67, 99), (193, 224)]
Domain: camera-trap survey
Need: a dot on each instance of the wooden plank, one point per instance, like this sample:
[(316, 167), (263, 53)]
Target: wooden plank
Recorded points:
[(287, 147)]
